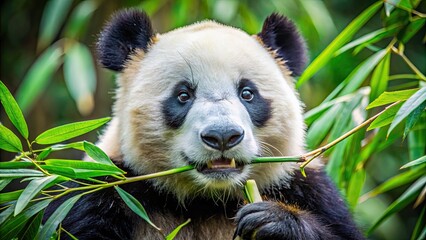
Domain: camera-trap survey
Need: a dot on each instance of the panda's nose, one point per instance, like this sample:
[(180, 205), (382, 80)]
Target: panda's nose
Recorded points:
[(223, 138)]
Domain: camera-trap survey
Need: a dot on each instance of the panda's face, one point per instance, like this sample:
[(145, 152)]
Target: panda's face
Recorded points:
[(211, 96)]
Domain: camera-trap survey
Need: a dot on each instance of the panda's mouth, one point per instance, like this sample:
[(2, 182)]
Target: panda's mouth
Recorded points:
[(222, 164)]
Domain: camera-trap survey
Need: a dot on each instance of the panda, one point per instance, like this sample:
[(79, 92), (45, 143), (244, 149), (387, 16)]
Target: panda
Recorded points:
[(214, 97)]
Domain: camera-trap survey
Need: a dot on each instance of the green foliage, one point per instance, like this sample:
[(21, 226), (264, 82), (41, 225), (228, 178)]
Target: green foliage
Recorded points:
[(376, 83)]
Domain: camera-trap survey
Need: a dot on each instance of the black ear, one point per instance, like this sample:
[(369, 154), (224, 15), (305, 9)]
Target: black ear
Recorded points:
[(127, 31), (281, 34)]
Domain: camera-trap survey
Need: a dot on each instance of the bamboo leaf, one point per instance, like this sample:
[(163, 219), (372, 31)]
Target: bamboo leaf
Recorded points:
[(417, 142), (173, 234), (385, 118), (419, 225), (409, 106), (390, 5), (391, 97), (360, 73), (355, 186), (134, 205), (396, 181), (38, 77), (74, 145), (4, 183), (78, 173), (370, 38), (10, 196), (79, 164), (9, 141), (13, 226), (413, 117), (32, 189), (412, 29), (32, 227), (419, 161), (20, 173), (78, 21), (80, 76), (96, 153), (6, 213), (68, 131), (321, 127), (380, 77), (54, 15), (44, 154), (56, 218), (338, 42), (407, 197), (13, 111), (15, 165)]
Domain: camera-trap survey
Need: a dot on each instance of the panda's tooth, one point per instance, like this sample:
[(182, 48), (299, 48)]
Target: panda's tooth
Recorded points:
[(209, 164), (232, 164)]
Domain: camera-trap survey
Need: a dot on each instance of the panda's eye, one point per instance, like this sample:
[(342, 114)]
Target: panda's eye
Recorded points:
[(183, 96), (247, 94)]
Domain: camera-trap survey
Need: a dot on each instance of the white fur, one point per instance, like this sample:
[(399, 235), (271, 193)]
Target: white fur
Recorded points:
[(214, 58)]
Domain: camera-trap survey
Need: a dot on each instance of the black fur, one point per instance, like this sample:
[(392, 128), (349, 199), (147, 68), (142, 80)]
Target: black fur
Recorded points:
[(174, 111), (281, 34), (307, 208), (258, 108), (126, 31)]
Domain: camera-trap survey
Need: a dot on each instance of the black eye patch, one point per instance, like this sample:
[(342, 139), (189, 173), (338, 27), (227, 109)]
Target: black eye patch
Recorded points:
[(258, 107), (177, 105)]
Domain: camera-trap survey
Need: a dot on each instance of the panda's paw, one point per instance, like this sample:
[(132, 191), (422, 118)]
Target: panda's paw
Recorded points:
[(271, 220)]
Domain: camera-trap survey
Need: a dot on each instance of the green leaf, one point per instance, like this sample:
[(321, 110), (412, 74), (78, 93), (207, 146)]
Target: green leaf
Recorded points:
[(417, 142), (14, 165), (4, 183), (391, 97), (78, 21), (13, 111), (20, 173), (390, 5), (419, 161), (32, 227), (173, 234), (9, 141), (412, 29), (38, 77), (14, 225), (370, 38), (9, 196), (385, 118), (96, 153), (396, 181), (355, 186), (79, 164), (44, 154), (407, 197), (74, 145), (68, 131), (409, 106), (338, 42), (80, 76), (32, 189), (380, 77), (321, 127), (6, 213), (420, 224), (54, 15), (413, 117), (56, 218), (134, 205), (78, 173), (360, 73)]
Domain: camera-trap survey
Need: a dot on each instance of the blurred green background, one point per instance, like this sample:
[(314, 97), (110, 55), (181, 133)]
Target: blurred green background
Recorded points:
[(35, 35)]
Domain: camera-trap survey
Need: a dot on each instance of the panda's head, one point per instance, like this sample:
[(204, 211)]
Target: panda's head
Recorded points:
[(209, 95)]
